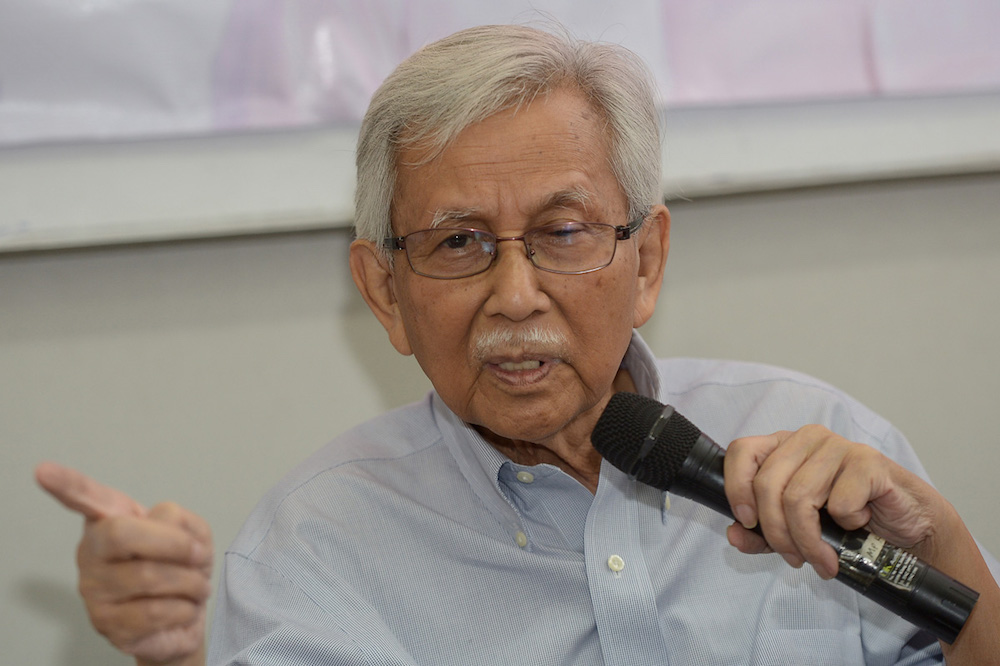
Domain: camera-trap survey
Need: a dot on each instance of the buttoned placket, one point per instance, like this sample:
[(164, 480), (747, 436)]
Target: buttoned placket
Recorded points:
[(621, 588)]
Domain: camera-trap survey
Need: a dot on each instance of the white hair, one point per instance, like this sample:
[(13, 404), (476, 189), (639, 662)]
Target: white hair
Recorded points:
[(467, 77), (506, 340)]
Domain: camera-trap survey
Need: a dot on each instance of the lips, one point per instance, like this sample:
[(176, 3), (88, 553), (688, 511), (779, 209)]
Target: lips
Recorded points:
[(521, 372), (512, 366), (520, 357)]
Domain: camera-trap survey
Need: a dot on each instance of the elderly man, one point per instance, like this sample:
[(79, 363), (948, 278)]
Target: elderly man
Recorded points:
[(510, 237)]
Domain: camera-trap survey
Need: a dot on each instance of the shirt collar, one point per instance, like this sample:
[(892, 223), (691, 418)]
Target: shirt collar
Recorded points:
[(641, 365)]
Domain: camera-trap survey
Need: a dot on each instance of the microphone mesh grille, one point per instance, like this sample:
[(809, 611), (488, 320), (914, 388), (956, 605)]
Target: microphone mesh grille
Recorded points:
[(624, 426), (672, 447)]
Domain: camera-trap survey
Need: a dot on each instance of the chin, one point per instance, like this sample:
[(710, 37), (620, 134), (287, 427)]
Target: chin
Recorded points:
[(525, 424)]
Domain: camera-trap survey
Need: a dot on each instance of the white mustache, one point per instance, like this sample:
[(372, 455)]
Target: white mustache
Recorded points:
[(533, 339)]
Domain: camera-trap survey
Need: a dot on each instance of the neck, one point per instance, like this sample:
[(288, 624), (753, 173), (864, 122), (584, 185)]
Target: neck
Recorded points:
[(582, 462), (570, 449)]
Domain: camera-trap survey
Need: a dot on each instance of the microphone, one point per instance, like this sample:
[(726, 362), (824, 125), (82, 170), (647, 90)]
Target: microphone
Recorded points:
[(657, 446)]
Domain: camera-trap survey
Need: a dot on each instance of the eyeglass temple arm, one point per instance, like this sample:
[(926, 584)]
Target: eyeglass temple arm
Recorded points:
[(624, 232)]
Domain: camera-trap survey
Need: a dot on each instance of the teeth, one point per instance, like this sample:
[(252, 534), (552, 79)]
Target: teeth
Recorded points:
[(523, 365)]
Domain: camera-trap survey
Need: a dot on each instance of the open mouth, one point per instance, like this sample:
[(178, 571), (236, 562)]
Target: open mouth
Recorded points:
[(511, 366), (522, 372)]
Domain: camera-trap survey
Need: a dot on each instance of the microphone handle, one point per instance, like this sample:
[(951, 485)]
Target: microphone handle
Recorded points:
[(886, 574)]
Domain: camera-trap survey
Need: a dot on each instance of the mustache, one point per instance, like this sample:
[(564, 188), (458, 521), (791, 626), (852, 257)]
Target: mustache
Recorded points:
[(532, 339)]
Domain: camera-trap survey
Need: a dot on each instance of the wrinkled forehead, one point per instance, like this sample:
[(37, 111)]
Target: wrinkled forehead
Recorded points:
[(557, 150), (425, 137)]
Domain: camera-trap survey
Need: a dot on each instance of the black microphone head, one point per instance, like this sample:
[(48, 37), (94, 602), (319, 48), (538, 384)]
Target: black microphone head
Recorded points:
[(623, 428)]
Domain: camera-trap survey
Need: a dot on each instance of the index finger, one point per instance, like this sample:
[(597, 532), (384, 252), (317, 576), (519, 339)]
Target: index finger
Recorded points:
[(78, 492), (741, 463)]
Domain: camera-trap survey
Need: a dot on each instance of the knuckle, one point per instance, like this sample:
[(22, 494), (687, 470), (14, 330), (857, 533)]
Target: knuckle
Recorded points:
[(839, 506), (114, 531), (736, 447), (148, 576), (868, 456), (745, 449), (796, 495), (763, 482), (791, 501), (170, 508), (167, 512), (815, 431)]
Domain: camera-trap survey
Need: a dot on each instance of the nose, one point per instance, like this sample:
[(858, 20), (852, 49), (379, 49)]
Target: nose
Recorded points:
[(515, 289)]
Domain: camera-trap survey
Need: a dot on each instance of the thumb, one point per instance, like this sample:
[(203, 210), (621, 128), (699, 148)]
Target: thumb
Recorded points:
[(78, 492)]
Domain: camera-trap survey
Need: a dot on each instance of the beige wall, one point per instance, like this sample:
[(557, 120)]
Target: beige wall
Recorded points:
[(201, 371)]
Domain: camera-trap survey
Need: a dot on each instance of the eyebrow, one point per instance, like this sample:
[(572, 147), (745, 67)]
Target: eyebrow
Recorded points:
[(452, 215), (574, 197)]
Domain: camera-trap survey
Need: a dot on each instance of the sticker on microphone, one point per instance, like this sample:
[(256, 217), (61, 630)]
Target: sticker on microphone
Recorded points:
[(901, 571), (872, 548)]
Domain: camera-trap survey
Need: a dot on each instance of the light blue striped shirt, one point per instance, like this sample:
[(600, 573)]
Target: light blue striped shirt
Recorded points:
[(410, 540)]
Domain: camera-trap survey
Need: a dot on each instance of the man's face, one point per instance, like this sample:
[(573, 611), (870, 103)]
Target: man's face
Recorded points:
[(511, 173)]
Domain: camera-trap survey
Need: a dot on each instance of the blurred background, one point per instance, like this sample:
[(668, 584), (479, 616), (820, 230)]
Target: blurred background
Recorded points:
[(177, 317)]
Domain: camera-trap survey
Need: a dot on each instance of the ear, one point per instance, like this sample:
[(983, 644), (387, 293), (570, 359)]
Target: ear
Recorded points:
[(654, 244), (376, 282)]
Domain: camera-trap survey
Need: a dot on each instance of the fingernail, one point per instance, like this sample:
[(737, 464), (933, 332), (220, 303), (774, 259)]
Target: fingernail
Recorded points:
[(746, 515)]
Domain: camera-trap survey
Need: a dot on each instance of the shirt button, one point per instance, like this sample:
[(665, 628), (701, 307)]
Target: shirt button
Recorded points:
[(521, 538), (525, 477), (616, 563)]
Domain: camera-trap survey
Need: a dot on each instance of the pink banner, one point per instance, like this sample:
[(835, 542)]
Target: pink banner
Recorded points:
[(140, 68)]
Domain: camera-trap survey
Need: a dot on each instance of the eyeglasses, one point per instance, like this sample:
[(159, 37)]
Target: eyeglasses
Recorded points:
[(570, 248)]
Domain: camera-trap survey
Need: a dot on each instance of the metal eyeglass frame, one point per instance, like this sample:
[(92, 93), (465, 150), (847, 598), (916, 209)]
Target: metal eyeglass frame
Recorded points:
[(622, 232)]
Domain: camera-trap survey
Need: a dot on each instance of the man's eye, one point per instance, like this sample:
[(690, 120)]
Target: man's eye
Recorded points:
[(457, 241), (562, 232)]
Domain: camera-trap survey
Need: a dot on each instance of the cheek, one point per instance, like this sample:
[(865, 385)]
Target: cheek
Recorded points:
[(437, 320), (605, 316), (599, 315), (608, 303)]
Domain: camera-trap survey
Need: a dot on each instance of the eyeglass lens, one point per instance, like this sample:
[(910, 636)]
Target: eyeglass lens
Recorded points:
[(575, 247)]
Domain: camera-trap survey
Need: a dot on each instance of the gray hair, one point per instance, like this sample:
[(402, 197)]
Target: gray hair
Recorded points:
[(471, 75)]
